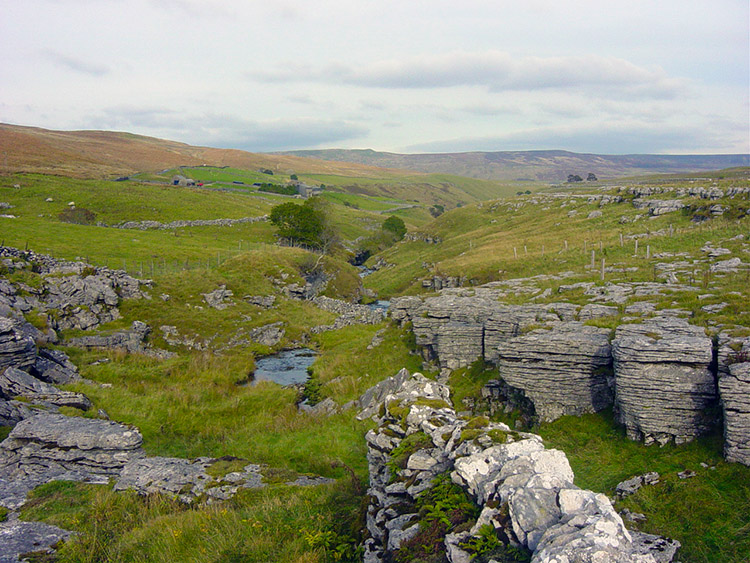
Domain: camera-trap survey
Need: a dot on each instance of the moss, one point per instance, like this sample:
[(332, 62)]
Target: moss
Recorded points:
[(433, 403), (502, 436), (468, 434), (225, 465), (276, 475), (412, 443), (478, 422)]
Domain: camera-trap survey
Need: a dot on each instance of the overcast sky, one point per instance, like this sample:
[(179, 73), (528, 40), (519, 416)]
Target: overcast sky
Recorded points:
[(618, 77)]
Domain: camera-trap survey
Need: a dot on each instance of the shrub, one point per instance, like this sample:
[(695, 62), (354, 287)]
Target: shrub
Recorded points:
[(77, 216), (396, 226)]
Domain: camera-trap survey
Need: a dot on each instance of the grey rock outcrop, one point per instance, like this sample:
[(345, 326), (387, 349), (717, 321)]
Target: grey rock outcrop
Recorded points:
[(16, 349), (18, 538), (186, 479), (132, 340), (456, 330), (525, 492), (734, 388), (564, 371), (219, 299), (16, 383), (54, 366), (348, 313), (72, 295), (51, 445), (664, 386)]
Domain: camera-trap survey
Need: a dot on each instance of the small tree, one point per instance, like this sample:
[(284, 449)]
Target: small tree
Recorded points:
[(396, 226)]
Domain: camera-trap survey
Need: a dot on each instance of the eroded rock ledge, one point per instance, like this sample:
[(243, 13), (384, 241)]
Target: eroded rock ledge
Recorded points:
[(524, 491)]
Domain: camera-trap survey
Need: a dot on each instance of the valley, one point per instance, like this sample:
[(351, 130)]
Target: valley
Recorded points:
[(492, 290)]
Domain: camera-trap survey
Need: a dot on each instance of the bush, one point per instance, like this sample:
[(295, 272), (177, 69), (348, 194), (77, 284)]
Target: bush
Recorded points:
[(77, 216)]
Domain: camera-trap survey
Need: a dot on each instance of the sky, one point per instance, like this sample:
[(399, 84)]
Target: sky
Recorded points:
[(616, 77)]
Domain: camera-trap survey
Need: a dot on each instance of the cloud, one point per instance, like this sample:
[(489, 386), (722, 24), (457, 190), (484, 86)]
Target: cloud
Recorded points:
[(229, 131), (495, 70), (636, 138), (77, 65)]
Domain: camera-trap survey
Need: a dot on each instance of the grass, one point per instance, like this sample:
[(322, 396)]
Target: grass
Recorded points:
[(197, 405), (708, 514), (271, 524)]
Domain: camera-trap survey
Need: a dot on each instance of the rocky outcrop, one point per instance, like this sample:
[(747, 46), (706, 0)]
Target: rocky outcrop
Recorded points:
[(54, 445), (664, 387), (18, 538), (525, 493), (200, 480), (219, 299), (457, 330), (186, 479), (72, 295), (16, 349), (565, 370), (54, 366), (348, 313), (734, 388), (15, 383), (132, 340)]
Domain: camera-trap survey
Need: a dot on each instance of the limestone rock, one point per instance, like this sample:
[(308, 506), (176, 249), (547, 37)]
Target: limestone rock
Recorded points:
[(15, 349), (16, 383), (219, 299), (524, 490), (563, 371), (734, 388), (18, 537), (53, 444), (663, 382), (186, 479), (54, 366), (132, 340)]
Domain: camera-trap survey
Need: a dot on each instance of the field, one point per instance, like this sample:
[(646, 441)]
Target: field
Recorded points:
[(199, 403)]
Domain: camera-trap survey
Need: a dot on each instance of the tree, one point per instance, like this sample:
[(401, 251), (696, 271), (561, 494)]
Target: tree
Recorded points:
[(301, 224), (306, 224), (396, 226), (293, 177)]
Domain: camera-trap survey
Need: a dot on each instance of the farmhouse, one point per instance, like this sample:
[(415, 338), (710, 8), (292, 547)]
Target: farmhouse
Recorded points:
[(179, 180)]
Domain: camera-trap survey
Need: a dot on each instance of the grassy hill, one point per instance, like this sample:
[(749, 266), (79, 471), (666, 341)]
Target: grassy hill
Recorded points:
[(199, 403), (107, 154), (532, 166)]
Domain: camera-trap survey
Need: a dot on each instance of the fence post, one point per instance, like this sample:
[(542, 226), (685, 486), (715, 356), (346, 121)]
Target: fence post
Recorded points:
[(593, 263), (602, 269), (636, 248), (515, 253)]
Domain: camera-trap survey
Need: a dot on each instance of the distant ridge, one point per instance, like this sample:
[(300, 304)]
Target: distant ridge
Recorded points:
[(108, 153), (541, 165)]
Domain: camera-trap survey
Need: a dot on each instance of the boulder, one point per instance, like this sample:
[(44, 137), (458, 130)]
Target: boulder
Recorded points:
[(664, 386), (564, 371), (734, 388)]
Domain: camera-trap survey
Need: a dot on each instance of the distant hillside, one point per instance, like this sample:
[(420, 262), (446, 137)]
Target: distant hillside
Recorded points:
[(545, 166), (106, 153)]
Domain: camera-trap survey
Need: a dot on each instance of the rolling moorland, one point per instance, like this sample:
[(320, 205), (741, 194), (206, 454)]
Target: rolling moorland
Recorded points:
[(223, 294), (531, 166)]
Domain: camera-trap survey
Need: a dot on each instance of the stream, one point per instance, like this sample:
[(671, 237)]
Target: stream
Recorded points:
[(286, 367)]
